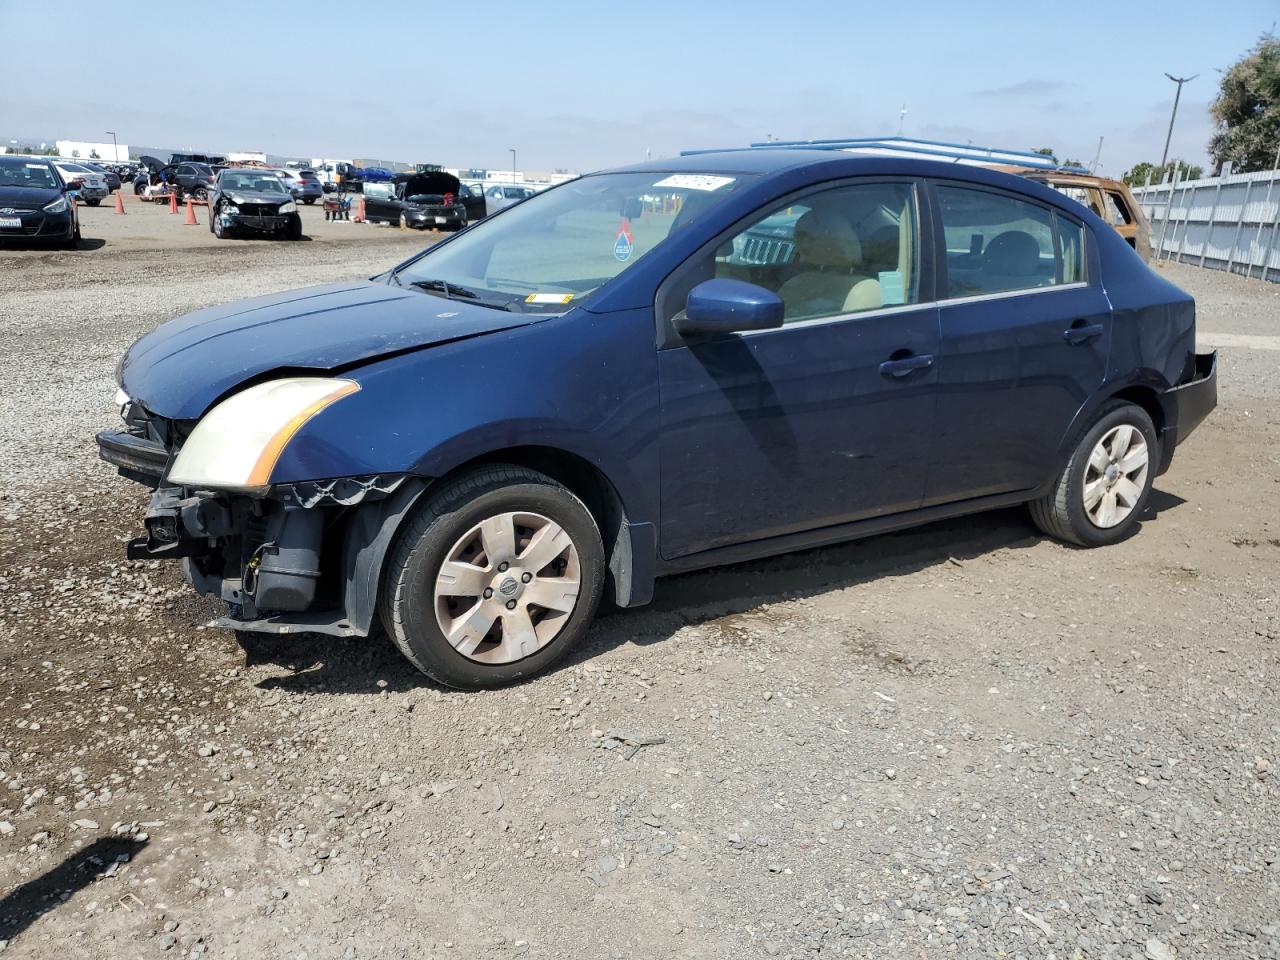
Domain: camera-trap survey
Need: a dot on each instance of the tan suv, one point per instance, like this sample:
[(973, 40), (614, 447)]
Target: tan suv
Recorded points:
[(1109, 199)]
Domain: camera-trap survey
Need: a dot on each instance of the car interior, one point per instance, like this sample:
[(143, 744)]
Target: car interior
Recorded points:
[(840, 251)]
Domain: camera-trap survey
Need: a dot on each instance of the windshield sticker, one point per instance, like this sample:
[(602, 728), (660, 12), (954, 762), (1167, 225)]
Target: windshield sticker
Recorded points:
[(625, 242), (694, 181), (35, 166), (548, 298)]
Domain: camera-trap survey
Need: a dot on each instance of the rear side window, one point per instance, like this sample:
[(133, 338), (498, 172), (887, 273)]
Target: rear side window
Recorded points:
[(1118, 211), (998, 243)]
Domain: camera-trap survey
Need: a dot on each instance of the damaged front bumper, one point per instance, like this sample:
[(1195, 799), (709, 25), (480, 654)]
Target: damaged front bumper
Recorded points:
[(303, 559)]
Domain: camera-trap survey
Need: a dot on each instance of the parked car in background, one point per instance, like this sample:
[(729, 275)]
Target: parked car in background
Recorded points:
[(424, 201), (252, 201), (89, 186), (189, 178), (303, 184), (335, 175), (500, 196), (35, 202), (110, 176), (1109, 199), (379, 451)]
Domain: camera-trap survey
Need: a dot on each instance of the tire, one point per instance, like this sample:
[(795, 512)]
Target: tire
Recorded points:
[(412, 613), (72, 242), (219, 231), (200, 193), (294, 230), (1063, 513), (92, 203)]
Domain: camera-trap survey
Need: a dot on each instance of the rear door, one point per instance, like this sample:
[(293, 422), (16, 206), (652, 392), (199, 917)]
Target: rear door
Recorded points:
[(1025, 332)]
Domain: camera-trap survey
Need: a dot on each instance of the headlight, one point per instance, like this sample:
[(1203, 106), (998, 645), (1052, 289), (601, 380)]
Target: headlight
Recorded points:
[(57, 206), (236, 199), (289, 207), (235, 445)]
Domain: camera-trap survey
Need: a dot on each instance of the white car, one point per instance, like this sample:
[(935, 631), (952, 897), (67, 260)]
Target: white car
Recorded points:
[(93, 185), (501, 196)]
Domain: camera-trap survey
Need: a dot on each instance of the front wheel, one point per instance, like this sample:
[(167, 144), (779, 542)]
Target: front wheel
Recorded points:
[(294, 230), (494, 579), (219, 230), (1104, 487), (92, 203)]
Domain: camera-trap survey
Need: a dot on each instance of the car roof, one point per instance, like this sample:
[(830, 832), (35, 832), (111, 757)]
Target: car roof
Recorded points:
[(1070, 179), (766, 161)]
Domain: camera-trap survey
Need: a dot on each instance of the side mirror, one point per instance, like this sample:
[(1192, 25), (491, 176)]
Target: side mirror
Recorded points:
[(728, 306)]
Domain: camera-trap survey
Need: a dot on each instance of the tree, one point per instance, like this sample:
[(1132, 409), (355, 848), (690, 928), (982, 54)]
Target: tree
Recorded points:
[(93, 155), (1136, 176), (1247, 110), (76, 154), (1046, 152), (1073, 163)]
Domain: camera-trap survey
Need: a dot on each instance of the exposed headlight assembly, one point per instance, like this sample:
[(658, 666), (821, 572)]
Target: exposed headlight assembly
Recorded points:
[(236, 444), (57, 206), (289, 207)]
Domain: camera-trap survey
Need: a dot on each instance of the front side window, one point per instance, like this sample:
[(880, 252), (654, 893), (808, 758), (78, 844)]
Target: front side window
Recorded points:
[(840, 251), (997, 243), (555, 250)]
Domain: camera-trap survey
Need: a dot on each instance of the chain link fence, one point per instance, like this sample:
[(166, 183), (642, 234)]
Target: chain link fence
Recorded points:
[(1224, 223)]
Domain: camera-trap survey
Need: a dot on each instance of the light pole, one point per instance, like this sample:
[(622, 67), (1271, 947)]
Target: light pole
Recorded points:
[(115, 148), (512, 151), (1173, 116)]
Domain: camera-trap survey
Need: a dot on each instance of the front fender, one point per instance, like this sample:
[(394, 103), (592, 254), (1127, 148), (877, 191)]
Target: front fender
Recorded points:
[(582, 383)]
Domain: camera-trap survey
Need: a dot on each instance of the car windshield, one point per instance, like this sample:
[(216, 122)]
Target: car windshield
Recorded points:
[(554, 250), (26, 173), (256, 182)]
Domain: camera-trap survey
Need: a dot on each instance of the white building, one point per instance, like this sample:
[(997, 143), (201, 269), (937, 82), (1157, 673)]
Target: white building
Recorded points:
[(247, 156), (86, 150)]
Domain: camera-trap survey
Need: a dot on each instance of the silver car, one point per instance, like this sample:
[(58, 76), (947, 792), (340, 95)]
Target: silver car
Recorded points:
[(93, 185), (502, 195)]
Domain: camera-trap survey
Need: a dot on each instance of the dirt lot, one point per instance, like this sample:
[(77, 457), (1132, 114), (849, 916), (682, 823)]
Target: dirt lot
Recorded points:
[(963, 740)]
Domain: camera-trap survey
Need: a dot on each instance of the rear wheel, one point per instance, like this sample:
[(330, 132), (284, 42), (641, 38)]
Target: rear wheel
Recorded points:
[(1104, 487), (200, 193), (495, 578)]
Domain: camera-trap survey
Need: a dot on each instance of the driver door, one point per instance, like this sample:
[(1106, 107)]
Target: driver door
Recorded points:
[(827, 419)]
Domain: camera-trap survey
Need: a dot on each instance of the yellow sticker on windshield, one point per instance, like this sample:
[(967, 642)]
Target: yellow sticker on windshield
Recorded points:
[(548, 298)]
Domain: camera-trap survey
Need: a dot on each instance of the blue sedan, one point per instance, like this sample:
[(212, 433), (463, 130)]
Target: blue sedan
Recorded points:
[(655, 369)]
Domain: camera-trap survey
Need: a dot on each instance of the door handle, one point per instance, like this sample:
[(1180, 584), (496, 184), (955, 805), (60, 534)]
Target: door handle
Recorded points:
[(1083, 333), (906, 365)]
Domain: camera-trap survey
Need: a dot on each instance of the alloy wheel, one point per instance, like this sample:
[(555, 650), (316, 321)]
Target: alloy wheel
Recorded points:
[(1115, 476), (507, 587)]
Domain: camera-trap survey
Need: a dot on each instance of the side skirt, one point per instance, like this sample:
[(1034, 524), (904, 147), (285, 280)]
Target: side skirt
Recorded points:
[(825, 536)]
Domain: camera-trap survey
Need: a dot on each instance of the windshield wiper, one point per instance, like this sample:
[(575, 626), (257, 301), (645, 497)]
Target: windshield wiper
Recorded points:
[(449, 290)]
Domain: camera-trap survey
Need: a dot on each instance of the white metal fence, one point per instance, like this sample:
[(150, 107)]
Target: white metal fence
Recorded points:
[(1225, 223)]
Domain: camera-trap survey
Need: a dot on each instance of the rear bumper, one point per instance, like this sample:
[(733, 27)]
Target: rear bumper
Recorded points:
[(1186, 406)]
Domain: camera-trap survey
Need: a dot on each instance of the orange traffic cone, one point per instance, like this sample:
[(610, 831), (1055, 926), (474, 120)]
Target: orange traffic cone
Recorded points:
[(173, 203), (191, 214), (359, 218), (119, 202)]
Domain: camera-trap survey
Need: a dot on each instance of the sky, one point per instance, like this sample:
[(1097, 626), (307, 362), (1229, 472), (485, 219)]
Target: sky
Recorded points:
[(586, 85)]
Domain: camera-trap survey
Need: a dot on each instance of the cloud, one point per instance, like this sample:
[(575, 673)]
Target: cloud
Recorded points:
[(1027, 88)]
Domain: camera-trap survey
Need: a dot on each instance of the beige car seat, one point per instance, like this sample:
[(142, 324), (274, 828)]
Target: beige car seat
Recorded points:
[(834, 279)]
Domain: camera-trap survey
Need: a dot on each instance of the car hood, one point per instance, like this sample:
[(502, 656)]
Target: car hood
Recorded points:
[(255, 196), (27, 198), (182, 367)]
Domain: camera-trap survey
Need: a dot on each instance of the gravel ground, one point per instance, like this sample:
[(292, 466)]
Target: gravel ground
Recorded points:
[(963, 740)]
